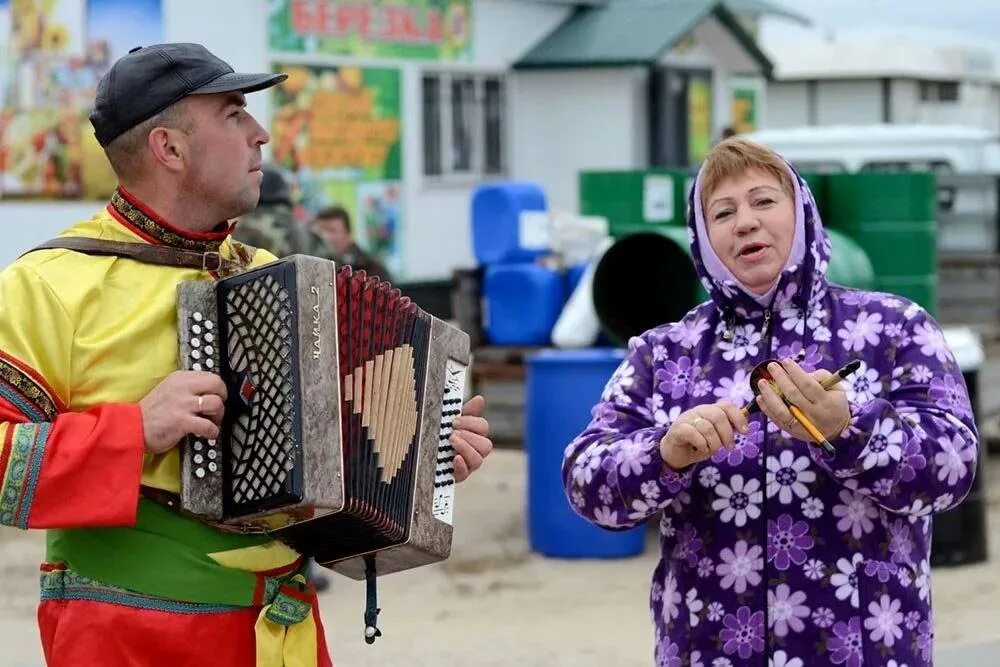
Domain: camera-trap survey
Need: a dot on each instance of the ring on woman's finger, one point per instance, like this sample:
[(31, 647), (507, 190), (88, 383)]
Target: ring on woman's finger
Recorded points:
[(201, 400), (697, 419)]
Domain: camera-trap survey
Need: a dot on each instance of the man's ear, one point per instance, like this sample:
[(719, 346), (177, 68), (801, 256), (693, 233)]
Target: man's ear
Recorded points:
[(168, 147)]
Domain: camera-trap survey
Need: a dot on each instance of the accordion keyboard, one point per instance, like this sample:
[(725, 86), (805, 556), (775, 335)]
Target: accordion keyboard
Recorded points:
[(204, 455), (444, 474)]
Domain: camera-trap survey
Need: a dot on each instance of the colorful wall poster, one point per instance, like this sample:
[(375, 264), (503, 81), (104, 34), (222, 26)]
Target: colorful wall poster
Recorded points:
[(744, 108), (418, 29), (338, 131), (53, 54), (699, 118)]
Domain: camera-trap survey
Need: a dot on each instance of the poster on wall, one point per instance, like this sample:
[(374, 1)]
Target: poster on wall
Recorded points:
[(744, 108), (417, 29), (52, 54), (699, 118), (338, 131)]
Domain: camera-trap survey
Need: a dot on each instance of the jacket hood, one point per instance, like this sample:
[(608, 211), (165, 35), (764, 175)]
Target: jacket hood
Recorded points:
[(804, 274)]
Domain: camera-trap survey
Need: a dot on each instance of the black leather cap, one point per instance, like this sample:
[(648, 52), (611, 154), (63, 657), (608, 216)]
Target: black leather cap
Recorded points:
[(148, 79)]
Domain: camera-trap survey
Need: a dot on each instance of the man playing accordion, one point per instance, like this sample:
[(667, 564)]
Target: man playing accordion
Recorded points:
[(92, 404)]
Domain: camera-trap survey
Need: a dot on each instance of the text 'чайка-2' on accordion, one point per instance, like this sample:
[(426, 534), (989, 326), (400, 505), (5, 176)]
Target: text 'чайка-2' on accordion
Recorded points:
[(341, 399)]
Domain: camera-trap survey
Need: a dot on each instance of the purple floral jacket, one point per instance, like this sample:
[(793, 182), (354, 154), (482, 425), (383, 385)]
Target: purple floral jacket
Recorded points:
[(774, 553)]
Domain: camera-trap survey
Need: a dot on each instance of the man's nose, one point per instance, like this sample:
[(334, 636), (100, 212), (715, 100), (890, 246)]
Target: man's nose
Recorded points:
[(259, 135)]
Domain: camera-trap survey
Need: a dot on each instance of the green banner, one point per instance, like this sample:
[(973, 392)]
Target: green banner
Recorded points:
[(338, 130), (417, 29)]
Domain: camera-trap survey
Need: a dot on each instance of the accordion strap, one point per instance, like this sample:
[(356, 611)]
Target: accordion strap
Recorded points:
[(142, 252)]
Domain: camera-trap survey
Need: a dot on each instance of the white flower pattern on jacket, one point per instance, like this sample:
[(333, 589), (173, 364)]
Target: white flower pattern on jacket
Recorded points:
[(775, 554)]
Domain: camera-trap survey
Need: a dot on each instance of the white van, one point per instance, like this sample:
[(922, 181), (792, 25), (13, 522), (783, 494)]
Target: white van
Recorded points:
[(853, 148)]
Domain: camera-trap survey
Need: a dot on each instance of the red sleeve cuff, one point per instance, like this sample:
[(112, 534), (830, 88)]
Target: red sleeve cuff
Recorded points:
[(84, 469)]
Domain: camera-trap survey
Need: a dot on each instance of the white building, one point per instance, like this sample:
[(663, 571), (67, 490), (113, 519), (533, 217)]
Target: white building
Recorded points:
[(546, 89), (864, 78)]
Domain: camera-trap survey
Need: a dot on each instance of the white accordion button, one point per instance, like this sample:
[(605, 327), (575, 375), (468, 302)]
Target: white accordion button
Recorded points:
[(195, 342), (209, 337), (209, 363), (209, 349), (208, 325), (198, 446), (195, 329), (211, 454), (211, 443), (197, 316), (212, 467), (196, 367), (199, 472), (196, 354), (199, 459)]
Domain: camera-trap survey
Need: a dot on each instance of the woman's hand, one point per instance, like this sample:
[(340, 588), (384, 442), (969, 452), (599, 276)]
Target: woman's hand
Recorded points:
[(700, 432), (827, 409)]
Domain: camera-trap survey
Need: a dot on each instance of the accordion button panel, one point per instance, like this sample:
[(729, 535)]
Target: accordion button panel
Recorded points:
[(444, 473)]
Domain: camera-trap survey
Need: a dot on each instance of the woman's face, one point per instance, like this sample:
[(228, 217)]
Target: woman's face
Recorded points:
[(750, 221)]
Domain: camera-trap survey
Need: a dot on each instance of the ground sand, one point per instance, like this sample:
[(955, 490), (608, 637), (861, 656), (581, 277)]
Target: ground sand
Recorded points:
[(494, 602)]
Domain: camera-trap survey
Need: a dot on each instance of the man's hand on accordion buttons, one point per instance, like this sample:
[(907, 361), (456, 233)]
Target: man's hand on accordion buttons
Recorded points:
[(185, 402), (471, 438)]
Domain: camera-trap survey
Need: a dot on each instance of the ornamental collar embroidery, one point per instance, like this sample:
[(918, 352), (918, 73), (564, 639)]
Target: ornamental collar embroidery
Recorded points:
[(132, 213)]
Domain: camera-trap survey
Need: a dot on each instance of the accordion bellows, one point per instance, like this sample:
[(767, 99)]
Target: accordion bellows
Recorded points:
[(341, 398)]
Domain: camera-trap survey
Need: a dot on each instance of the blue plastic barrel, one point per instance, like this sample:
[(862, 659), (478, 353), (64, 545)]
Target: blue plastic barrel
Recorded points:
[(521, 303), (562, 387), (502, 226)]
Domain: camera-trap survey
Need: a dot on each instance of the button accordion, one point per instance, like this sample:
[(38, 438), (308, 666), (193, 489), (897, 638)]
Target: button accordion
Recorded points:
[(341, 398)]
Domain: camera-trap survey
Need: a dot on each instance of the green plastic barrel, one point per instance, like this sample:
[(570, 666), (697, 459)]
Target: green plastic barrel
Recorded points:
[(892, 217), (647, 278), (628, 198)]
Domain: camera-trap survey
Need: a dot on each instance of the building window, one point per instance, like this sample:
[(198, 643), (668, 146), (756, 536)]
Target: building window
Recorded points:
[(464, 124), (939, 91)]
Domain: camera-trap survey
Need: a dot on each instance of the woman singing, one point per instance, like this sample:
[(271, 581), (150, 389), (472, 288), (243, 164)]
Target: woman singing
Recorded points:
[(772, 551)]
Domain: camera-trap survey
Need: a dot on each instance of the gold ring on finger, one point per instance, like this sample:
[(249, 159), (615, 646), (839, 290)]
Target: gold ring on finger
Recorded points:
[(201, 401)]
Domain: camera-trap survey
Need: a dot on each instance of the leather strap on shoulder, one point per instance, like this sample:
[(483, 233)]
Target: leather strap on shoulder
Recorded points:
[(143, 252)]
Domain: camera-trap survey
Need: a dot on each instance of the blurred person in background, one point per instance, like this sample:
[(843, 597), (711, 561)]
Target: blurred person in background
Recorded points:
[(335, 240), (774, 552), (271, 226)]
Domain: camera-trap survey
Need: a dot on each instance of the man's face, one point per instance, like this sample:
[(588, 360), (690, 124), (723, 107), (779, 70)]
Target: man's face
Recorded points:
[(334, 232), (225, 153)]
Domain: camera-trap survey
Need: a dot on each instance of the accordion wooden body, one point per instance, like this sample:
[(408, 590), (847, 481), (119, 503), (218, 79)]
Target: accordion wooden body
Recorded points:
[(341, 398)]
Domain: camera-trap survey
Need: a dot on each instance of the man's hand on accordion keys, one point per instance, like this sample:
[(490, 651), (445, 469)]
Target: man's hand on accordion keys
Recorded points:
[(185, 402), (471, 438)]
